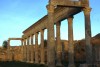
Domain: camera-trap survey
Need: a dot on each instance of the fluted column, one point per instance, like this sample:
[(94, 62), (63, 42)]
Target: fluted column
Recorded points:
[(36, 49), (32, 50), (88, 49), (28, 50), (25, 49), (59, 46), (51, 38), (42, 47), (70, 42)]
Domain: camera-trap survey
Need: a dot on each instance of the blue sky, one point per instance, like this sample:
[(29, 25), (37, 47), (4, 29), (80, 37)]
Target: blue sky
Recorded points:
[(17, 15)]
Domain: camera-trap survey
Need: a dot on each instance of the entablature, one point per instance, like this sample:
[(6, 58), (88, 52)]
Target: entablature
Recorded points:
[(69, 3)]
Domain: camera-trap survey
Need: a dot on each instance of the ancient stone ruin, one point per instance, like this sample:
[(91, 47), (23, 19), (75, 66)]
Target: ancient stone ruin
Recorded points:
[(58, 10)]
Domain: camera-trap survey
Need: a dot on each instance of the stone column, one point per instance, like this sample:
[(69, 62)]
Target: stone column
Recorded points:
[(32, 50), (36, 49), (51, 39), (8, 50), (59, 46), (88, 35), (28, 50), (70, 42), (25, 49), (42, 47)]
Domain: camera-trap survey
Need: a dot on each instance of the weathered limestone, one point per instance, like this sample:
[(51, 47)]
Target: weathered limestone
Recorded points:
[(25, 49), (15, 38), (36, 48), (8, 50), (57, 11), (70, 42), (28, 50), (32, 50), (51, 40), (67, 3), (59, 46), (42, 47), (88, 49), (22, 46)]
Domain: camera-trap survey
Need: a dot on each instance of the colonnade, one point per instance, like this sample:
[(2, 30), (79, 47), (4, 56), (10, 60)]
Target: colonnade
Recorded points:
[(31, 52), (56, 48)]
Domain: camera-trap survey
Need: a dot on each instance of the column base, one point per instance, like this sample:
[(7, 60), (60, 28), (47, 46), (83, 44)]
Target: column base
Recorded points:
[(71, 65), (42, 63), (31, 62), (59, 65), (22, 60), (36, 63), (27, 61)]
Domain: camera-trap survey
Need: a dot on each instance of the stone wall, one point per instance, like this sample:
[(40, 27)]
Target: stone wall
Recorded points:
[(15, 54)]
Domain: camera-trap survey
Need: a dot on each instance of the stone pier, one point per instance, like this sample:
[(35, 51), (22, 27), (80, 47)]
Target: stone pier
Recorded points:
[(51, 41), (32, 50), (88, 35), (36, 49), (70, 42), (59, 45), (42, 48)]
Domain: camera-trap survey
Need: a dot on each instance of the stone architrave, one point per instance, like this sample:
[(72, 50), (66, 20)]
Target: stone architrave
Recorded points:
[(59, 46), (36, 48), (70, 42), (42, 47), (51, 38), (88, 47)]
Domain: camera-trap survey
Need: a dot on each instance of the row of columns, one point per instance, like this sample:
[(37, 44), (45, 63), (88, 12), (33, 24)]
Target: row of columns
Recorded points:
[(51, 46), (31, 51), (51, 43)]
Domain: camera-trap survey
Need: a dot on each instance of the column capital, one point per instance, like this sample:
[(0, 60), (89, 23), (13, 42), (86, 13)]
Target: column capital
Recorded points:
[(58, 23), (70, 17), (24, 39), (50, 8), (41, 30), (36, 33), (87, 10), (31, 35)]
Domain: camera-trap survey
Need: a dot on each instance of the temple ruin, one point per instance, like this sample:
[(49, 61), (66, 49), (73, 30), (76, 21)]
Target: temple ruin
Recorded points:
[(58, 10)]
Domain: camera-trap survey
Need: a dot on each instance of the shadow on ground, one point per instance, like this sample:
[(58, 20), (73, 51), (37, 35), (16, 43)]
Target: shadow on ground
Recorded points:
[(19, 64)]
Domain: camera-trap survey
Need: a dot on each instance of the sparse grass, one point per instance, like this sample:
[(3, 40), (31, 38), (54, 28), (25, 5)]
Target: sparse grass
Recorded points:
[(19, 64)]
